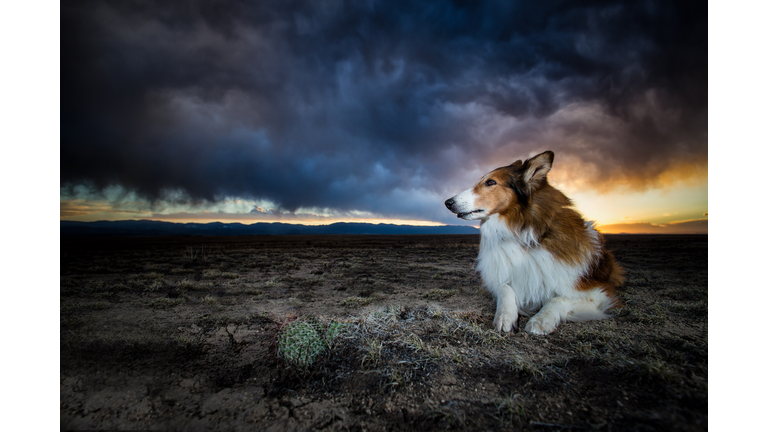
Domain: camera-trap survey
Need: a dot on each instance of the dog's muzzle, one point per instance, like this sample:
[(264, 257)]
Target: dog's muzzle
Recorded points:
[(449, 203)]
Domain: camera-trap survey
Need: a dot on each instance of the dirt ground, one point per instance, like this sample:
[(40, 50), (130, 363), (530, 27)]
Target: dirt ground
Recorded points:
[(188, 334)]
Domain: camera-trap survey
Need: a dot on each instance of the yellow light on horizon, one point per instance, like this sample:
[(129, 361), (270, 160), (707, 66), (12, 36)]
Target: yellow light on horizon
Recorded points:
[(300, 222)]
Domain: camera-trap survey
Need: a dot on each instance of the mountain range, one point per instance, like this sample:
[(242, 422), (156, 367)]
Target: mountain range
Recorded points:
[(158, 228)]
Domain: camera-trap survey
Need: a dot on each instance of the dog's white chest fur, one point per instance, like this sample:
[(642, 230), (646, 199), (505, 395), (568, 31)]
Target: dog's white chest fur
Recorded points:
[(517, 261)]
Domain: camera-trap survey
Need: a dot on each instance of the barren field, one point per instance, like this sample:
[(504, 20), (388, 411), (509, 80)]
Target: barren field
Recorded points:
[(366, 333)]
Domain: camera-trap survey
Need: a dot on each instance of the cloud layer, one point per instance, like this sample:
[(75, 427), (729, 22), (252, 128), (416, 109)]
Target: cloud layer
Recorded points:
[(380, 107)]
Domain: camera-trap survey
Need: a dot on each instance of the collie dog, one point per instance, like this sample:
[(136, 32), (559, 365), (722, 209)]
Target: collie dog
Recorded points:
[(537, 254)]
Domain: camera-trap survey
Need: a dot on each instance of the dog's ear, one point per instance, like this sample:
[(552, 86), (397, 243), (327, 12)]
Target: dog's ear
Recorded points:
[(536, 168)]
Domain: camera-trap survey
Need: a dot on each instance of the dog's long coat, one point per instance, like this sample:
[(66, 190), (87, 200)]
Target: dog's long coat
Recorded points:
[(537, 254)]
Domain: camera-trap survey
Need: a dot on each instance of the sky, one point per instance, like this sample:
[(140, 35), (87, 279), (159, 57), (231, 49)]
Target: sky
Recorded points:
[(325, 111)]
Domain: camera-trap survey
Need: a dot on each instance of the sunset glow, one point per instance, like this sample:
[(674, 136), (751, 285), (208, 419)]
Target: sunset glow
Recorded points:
[(676, 210)]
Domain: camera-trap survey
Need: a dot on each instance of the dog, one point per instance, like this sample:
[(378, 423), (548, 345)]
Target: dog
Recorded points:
[(538, 256)]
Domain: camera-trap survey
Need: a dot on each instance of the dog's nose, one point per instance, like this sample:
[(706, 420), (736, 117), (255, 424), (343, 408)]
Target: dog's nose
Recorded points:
[(449, 203)]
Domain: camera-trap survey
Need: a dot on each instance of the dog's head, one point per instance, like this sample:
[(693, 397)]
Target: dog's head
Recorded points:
[(503, 188)]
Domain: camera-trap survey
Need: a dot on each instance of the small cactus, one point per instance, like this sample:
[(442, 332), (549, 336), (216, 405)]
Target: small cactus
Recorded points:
[(300, 343)]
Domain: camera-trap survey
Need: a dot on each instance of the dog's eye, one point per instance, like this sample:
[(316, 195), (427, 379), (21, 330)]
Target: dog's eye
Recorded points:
[(490, 182)]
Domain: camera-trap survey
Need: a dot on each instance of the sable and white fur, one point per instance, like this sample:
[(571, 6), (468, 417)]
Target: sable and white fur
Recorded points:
[(537, 255)]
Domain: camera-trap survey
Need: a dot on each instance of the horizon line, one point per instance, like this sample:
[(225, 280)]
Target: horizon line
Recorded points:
[(431, 224)]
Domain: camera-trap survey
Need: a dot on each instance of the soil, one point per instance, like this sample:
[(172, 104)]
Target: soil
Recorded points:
[(181, 333)]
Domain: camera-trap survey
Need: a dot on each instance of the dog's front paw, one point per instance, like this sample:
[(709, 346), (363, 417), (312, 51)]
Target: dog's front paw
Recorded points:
[(540, 326), (505, 321)]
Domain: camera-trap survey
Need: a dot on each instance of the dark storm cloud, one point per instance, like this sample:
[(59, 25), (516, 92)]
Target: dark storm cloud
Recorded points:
[(377, 106)]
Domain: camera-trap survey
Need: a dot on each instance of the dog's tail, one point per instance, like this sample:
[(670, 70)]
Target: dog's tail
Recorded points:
[(587, 310), (583, 312), (616, 278)]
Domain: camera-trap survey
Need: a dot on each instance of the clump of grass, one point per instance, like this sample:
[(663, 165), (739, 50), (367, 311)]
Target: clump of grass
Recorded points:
[(95, 285), (120, 287), (355, 302), (656, 368), (373, 348), (179, 270), (232, 285), (211, 273), (156, 267), (74, 307), (230, 275), (153, 286), (187, 284), (439, 294), (584, 348), (98, 306), (229, 301), (446, 415), (167, 303), (199, 253), (474, 332), (435, 353), (685, 294), (204, 286), (210, 301), (108, 295), (512, 406), (691, 309), (295, 302), (591, 338), (289, 264), (526, 367), (366, 293), (654, 314), (188, 343), (146, 281), (414, 342), (396, 378), (305, 296)]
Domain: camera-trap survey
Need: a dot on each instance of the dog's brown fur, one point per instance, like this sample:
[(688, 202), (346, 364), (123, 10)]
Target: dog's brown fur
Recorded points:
[(528, 201)]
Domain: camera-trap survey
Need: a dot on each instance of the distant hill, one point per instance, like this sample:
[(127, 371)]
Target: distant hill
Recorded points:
[(157, 228)]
